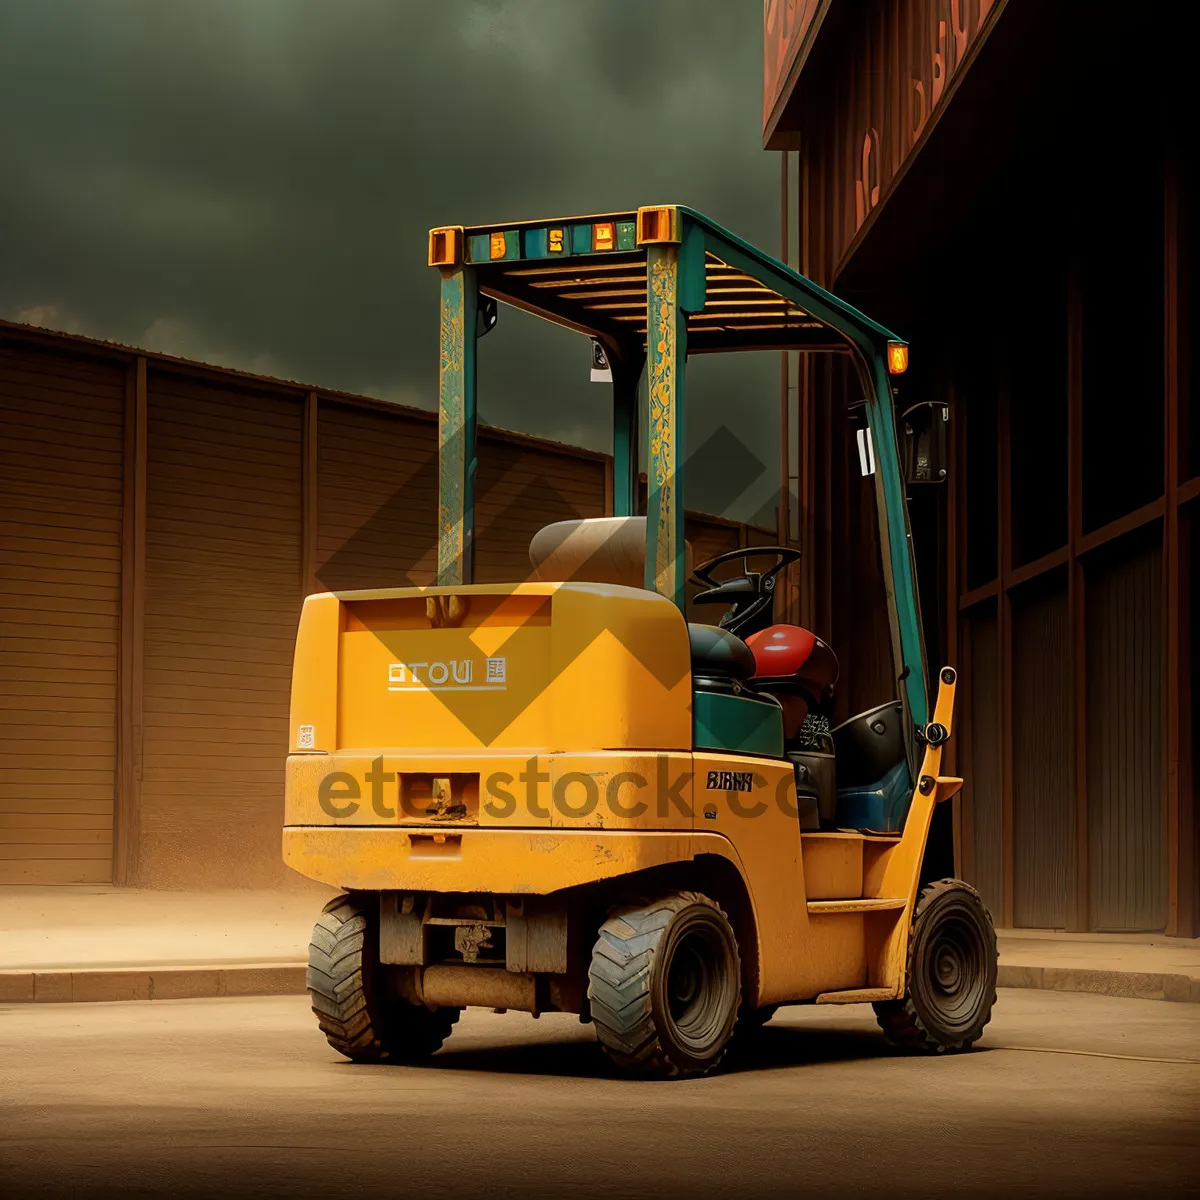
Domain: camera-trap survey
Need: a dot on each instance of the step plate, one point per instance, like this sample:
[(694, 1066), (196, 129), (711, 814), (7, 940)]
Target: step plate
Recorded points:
[(820, 907)]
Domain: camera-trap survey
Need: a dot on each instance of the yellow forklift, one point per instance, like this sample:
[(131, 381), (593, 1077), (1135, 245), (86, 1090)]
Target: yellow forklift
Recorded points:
[(558, 794)]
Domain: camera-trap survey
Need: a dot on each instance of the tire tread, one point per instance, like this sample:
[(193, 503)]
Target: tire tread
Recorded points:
[(899, 1019), (356, 1019), (619, 985)]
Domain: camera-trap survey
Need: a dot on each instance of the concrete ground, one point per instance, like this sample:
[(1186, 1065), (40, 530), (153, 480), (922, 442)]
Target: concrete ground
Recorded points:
[(1069, 1095), (90, 927), (102, 943)]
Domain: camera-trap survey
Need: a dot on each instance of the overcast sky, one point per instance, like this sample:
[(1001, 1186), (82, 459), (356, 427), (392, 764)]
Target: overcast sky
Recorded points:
[(250, 182)]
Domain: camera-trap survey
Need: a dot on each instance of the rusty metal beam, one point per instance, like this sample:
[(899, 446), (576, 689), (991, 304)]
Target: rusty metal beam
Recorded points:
[(1048, 562), (1177, 744), (988, 591), (1121, 526), (1004, 566)]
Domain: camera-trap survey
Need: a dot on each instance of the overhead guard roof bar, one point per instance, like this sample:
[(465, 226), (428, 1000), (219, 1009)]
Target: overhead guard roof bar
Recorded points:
[(698, 288)]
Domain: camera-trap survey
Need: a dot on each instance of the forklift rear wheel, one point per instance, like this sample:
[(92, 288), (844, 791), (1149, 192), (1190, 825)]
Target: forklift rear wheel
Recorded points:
[(665, 986), (951, 976), (360, 1016)]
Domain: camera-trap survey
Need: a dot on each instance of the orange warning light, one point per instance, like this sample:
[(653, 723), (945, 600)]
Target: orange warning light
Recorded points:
[(602, 235), (897, 358), (445, 246), (658, 224), (496, 246)]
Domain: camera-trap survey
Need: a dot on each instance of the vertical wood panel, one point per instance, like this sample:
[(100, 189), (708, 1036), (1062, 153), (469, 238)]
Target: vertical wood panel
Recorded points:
[(1126, 809), (61, 523), (982, 790), (1006, 651), (950, 590), (1189, 720), (1076, 600), (520, 490), (1043, 796), (377, 478), (310, 515), (127, 815), (223, 536), (960, 755), (1177, 615)]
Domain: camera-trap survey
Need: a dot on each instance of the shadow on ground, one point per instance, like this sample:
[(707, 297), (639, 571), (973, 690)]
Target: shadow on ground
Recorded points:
[(773, 1047)]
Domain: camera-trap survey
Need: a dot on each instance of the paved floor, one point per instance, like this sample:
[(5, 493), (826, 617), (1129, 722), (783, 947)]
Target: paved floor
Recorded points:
[(93, 927), (1143, 952), (243, 1097), (48, 928)]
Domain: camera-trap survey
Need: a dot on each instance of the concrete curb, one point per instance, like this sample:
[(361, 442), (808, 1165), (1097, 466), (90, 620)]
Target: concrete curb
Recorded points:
[(1135, 985), (287, 979), (151, 983)]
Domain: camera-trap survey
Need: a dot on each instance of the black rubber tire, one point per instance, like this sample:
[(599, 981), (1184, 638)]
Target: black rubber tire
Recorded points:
[(665, 986), (351, 999), (950, 980)]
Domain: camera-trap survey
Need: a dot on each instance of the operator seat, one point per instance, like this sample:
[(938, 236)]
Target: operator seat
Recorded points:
[(789, 659), (593, 550), (718, 655), (613, 550), (800, 671)]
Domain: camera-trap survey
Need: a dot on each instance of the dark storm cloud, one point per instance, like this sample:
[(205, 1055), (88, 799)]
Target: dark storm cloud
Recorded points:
[(250, 182)]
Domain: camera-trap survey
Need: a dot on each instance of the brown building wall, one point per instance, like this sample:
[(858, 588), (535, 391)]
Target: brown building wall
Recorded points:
[(206, 526), (60, 595), (376, 495), (520, 488), (222, 600), (160, 523), (964, 177)]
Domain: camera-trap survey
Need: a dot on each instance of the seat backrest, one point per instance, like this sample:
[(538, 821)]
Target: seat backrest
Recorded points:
[(593, 550)]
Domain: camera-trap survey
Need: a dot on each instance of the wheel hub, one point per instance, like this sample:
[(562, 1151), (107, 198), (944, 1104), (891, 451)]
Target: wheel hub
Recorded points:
[(699, 992), (954, 970), (686, 980), (948, 970)]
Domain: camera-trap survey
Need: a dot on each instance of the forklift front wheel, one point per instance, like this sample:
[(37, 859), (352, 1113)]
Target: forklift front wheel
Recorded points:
[(665, 986), (951, 976)]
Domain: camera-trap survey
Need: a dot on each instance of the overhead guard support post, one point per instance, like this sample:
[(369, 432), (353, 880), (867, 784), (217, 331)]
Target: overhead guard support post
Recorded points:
[(456, 426), (868, 341), (675, 287), (627, 365), (896, 543)]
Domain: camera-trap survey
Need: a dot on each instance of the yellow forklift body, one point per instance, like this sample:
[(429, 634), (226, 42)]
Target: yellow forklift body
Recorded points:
[(528, 739), (543, 666)]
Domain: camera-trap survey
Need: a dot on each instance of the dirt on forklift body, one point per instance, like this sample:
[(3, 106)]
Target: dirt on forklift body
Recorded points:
[(558, 794)]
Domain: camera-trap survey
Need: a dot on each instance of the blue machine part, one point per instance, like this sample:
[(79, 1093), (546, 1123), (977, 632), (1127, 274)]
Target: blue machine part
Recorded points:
[(880, 807)]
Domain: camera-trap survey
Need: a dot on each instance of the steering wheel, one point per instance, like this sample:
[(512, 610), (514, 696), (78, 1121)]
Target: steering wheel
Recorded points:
[(751, 595), (784, 556)]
